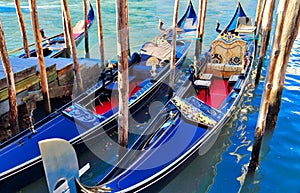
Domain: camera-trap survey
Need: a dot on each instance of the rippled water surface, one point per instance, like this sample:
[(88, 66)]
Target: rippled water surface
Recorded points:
[(223, 168)]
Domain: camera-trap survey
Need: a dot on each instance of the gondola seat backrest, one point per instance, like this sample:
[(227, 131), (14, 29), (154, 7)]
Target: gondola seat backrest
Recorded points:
[(227, 56), (229, 50)]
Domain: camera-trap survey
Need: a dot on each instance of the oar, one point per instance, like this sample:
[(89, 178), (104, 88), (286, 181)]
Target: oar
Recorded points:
[(18, 49)]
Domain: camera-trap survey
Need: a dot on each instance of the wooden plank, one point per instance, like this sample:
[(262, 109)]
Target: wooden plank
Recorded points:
[(20, 86), (51, 73), (19, 76)]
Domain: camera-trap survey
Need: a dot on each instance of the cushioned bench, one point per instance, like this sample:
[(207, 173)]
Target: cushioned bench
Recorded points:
[(223, 70)]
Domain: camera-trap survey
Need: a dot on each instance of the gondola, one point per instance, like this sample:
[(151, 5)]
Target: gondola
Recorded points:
[(55, 46), (191, 121), (94, 113)]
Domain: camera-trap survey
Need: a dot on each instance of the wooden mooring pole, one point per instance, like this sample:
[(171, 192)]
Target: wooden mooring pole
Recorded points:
[(40, 54), (266, 26), (259, 17), (123, 85), (290, 32), (12, 95), (200, 27), (257, 20), (22, 28), (67, 42), (70, 35), (258, 11), (86, 31), (198, 47), (173, 51), (286, 32), (100, 33), (128, 23)]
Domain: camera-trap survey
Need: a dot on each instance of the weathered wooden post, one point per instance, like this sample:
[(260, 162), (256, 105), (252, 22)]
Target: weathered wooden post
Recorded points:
[(266, 30), (258, 11), (286, 32), (22, 28), (128, 40), (123, 85), (173, 51), (86, 31), (40, 54), (70, 35), (203, 17), (200, 27), (67, 42), (100, 33), (259, 15), (289, 34), (257, 19), (198, 46), (12, 95)]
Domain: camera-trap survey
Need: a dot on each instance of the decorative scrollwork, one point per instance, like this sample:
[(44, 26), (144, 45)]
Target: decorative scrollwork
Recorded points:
[(235, 61), (216, 58)]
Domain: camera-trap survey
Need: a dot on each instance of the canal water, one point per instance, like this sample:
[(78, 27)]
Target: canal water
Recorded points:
[(223, 168)]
